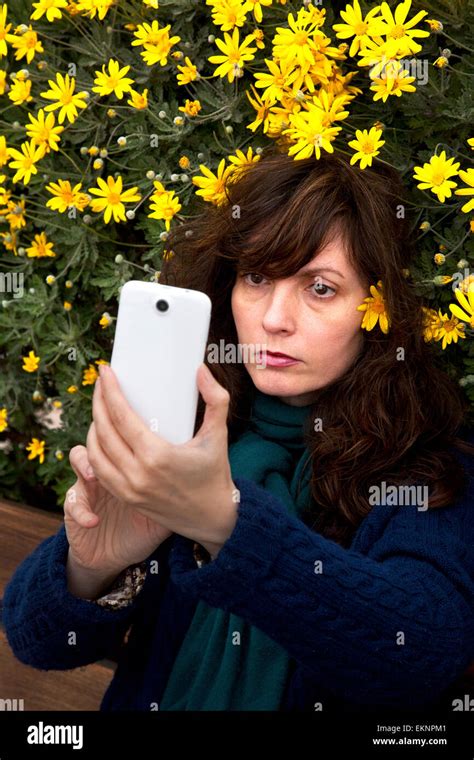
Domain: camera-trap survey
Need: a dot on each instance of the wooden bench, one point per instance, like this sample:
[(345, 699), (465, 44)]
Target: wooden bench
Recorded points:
[(22, 528)]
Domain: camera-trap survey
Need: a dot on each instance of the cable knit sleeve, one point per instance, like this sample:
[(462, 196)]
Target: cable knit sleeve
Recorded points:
[(49, 628), (389, 621)]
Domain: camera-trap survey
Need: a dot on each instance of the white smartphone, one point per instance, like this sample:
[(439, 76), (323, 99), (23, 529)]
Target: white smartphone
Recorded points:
[(160, 341)]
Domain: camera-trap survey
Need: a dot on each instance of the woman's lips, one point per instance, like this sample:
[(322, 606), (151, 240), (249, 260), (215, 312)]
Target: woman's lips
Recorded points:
[(276, 359)]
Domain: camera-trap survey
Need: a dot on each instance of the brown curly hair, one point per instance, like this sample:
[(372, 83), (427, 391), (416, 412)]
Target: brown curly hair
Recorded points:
[(383, 419)]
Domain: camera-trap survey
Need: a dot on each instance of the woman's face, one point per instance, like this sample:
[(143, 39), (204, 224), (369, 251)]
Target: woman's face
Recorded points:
[(311, 316)]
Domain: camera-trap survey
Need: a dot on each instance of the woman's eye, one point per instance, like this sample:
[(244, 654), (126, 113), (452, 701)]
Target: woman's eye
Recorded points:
[(252, 274), (324, 293)]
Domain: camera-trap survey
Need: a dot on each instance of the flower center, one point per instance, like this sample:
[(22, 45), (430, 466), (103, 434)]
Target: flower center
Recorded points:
[(367, 146), (397, 32), (361, 28), (300, 38), (438, 179)]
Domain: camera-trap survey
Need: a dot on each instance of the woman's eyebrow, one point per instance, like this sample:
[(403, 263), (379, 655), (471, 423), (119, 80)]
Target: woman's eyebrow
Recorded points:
[(315, 270)]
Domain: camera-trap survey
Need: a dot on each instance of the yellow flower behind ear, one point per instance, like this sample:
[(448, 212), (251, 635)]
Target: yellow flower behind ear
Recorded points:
[(375, 310)]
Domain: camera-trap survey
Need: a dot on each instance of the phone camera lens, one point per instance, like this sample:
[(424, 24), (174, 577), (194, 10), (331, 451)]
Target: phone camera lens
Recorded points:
[(162, 305)]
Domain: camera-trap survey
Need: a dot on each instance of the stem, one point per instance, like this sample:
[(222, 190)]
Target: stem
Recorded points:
[(457, 43)]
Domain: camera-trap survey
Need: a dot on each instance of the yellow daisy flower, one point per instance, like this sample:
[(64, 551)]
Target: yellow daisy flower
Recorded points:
[(26, 44), (400, 32), (72, 389), (49, 7), (234, 55), (448, 330), (279, 81), (16, 214), (113, 80), (188, 73), (90, 375), (191, 107), (367, 144), (40, 247), (467, 303), (20, 92), (36, 449), (434, 175), (468, 178), (164, 206), (66, 196), (394, 81), (309, 133), (375, 310), (138, 101), (42, 131), (62, 91), (243, 162), (296, 44), (228, 14), (31, 362), (358, 27), (158, 51), (147, 34), (112, 198), (212, 186), (24, 161)]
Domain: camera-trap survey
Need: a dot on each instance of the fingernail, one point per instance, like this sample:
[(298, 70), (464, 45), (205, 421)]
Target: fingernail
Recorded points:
[(90, 473)]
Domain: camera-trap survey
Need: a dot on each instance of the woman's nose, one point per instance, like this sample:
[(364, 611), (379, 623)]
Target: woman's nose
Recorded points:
[(280, 309)]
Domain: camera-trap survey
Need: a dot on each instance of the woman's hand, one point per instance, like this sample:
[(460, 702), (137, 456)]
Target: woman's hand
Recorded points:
[(185, 488), (104, 534)]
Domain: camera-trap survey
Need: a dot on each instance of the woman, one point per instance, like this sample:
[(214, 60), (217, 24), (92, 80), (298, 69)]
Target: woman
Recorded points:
[(261, 566)]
